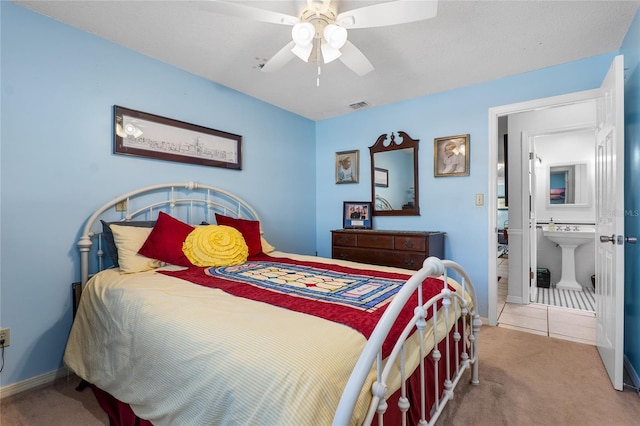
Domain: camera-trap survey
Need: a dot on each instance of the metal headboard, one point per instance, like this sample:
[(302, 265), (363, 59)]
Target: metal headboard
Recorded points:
[(190, 202)]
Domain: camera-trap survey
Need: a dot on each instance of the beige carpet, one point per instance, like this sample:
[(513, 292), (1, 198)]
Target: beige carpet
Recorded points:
[(525, 379), (58, 404)]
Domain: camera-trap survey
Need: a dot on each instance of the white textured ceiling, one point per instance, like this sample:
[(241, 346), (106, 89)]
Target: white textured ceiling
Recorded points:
[(468, 42)]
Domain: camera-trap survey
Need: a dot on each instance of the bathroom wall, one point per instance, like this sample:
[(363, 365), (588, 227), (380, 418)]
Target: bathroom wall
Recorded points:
[(570, 147), (521, 128)]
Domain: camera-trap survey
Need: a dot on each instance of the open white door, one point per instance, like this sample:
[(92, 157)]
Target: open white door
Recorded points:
[(533, 241), (610, 222)]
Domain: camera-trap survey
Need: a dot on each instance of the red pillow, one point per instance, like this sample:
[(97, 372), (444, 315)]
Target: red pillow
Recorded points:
[(165, 241), (250, 230)]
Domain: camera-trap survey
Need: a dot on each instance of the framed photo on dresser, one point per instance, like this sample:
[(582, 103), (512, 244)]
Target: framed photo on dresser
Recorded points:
[(356, 215)]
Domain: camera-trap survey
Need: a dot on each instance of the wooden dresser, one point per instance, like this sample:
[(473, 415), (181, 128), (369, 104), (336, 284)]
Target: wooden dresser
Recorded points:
[(402, 249)]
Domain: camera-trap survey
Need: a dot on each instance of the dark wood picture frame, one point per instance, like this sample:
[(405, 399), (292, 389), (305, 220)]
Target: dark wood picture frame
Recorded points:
[(381, 177), (151, 136), (357, 215)]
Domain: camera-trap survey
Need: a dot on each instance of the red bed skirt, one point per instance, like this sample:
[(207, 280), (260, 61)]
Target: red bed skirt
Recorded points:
[(121, 414), (393, 415)]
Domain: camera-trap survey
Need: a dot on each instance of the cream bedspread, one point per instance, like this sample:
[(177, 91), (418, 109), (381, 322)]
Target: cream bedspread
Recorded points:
[(184, 354)]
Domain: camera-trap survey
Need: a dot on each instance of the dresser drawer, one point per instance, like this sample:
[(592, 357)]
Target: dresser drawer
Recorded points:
[(398, 259), (401, 249), (344, 239), (375, 241), (410, 243)]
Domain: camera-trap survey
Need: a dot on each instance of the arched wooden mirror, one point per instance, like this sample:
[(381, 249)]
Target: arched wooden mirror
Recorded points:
[(394, 176)]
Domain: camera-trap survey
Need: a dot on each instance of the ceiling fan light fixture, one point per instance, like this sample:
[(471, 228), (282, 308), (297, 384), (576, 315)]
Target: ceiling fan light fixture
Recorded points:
[(302, 52), (335, 35), (329, 54), (303, 34)]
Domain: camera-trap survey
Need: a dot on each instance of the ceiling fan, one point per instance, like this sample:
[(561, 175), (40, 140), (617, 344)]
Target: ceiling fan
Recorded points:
[(322, 26)]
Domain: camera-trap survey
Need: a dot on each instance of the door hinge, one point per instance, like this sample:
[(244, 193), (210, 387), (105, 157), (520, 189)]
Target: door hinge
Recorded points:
[(531, 156)]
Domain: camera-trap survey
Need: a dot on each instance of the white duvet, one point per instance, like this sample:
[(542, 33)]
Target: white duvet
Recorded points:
[(184, 354)]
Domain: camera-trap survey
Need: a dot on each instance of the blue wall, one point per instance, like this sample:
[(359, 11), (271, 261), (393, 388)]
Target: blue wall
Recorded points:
[(631, 50), (446, 203), (58, 88)]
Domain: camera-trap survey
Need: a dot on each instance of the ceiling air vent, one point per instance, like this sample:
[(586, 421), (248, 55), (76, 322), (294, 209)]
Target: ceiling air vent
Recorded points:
[(358, 105)]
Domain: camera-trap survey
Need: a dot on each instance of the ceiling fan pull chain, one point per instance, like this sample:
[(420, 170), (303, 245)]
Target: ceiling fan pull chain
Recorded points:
[(318, 79)]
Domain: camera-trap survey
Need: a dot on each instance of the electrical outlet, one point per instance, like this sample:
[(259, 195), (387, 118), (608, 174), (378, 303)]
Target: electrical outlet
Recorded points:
[(6, 336), (121, 206), (479, 199)]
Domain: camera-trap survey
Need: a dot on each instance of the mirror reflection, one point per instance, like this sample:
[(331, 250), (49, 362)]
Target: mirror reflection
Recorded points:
[(568, 185), (394, 176)]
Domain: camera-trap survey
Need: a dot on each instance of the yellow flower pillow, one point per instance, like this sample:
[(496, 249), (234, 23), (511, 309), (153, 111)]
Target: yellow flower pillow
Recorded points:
[(215, 245)]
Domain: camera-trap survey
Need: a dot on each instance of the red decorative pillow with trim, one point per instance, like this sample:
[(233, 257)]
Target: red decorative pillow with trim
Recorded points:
[(250, 230), (165, 241)]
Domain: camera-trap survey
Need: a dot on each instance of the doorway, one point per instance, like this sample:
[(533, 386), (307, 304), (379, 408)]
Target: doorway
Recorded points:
[(546, 138), (609, 99), (519, 274)]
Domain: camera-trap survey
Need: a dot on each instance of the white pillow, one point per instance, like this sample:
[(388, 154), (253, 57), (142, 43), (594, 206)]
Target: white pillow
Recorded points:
[(128, 240), (266, 247)]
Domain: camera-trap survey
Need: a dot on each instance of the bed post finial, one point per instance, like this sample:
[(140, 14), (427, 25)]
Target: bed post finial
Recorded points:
[(435, 263), (84, 245)]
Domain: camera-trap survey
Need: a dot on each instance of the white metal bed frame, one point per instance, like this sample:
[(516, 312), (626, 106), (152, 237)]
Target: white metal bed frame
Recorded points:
[(199, 202), (163, 197)]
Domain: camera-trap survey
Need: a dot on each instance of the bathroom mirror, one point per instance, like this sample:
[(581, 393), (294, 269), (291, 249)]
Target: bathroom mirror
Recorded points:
[(394, 176), (568, 185)]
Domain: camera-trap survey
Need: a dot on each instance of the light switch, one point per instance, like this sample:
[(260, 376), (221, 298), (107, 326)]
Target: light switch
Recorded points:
[(479, 199)]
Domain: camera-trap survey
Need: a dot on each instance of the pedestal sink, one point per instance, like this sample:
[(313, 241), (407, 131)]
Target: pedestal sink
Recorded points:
[(568, 240)]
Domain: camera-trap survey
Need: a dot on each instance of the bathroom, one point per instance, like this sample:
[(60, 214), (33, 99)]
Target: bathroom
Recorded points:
[(565, 194), (542, 143)]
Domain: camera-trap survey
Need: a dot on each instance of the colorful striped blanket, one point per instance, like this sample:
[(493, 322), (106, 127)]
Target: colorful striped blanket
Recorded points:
[(353, 297)]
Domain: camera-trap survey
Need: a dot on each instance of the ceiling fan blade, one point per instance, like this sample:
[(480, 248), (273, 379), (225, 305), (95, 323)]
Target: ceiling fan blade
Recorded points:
[(248, 12), (390, 13), (353, 58), (281, 58)]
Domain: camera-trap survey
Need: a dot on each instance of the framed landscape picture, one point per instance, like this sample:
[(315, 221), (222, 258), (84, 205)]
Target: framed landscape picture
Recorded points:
[(152, 136)]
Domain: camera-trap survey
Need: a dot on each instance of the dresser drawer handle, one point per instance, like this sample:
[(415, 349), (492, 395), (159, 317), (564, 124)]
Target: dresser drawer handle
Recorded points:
[(408, 262), (343, 240), (344, 256), (408, 244)]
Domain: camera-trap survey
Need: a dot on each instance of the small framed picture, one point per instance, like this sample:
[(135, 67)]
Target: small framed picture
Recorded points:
[(451, 156), (356, 214), (381, 177), (502, 205), (347, 166)]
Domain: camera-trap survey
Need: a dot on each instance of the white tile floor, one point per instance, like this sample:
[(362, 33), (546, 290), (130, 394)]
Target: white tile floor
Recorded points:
[(562, 323)]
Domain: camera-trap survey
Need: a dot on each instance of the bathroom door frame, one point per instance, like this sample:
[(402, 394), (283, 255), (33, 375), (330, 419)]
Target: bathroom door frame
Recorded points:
[(530, 286), (492, 230)]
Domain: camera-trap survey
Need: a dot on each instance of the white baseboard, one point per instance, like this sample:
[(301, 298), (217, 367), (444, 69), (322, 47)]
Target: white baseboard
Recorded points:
[(633, 374), (33, 382), (515, 299)]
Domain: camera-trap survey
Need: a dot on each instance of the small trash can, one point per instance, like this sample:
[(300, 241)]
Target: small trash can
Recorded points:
[(543, 278)]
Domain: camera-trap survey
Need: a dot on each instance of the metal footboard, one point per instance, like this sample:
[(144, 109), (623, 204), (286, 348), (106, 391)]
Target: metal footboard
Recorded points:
[(445, 323)]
